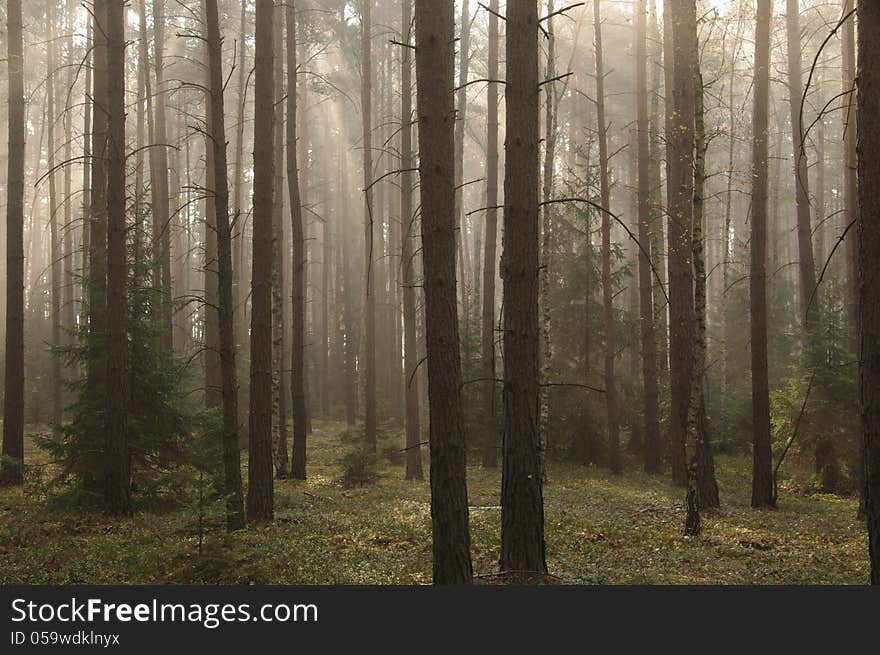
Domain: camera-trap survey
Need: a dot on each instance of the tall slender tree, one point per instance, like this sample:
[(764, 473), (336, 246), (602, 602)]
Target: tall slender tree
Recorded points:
[(762, 481), (369, 256), (680, 180), (850, 165), (522, 500), (280, 256), (436, 111), (117, 476), (490, 431), (162, 215), (55, 236), (229, 378), (260, 495), (97, 217), (11, 467), (869, 256), (806, 266), (646, 299), (297, 364), (698, 424), (407, 217), (607, 292)]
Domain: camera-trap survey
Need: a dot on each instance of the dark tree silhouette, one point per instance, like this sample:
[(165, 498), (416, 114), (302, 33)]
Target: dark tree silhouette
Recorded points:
[(869, 264), (297, 380), (436, 115), (229, 379), (522, 501), (762, 482), (13, 396), (260, 495), (117, 475)]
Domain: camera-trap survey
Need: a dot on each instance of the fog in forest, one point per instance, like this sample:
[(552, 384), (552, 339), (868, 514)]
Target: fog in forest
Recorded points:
[(433, 290)]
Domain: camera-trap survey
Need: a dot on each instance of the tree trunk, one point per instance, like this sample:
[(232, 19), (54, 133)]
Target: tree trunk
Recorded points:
[(806, 266), (260, 494), (86, 173), (850, 168), (279, 260), (162, 239), (762, 482), (546, 353), (239, 278), (646, 300), (54, 238), (97, 230), (869, 256), (213, 367), (238, 282), (614, 460), (461, 219), (851, 196), (369, 269), (436, 112), (522, 501), (680, 180), (68, 283), (297, 362), (407, 216), (490, 429), (11, 467), (231, 464), (681, 221), (117, 482), (698, 423)]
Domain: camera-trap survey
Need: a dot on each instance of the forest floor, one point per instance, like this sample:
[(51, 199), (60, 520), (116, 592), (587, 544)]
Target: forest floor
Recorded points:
[(600, 529)]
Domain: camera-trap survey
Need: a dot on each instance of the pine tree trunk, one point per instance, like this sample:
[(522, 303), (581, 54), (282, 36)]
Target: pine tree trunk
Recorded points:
[(550, 115), (680, 180), (238, 282), (806, 266), (324, 384), (68, 309), (369, 231), (762, 483), (297, 367), (117, 482), (213, 369), (54, 238), (97, 230), (461, 219), (851, 197), (407, 215), (490, 428), (522, 501), (162, 239), (11, 467), (279, 261), (850, 167), (869, 256), (436, 112), (698, 424), (86, 175), (614, 460), (231, 464), (260, 496), (646, 300), (350, 374)]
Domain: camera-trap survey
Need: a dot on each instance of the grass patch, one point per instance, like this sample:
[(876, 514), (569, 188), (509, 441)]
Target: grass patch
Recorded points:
[(599, 529)]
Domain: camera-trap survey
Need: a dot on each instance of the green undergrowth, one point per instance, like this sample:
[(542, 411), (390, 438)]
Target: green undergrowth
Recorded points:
[(599, 529)]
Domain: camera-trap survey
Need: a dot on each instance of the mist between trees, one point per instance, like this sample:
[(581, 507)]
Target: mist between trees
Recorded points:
[(522, 240)]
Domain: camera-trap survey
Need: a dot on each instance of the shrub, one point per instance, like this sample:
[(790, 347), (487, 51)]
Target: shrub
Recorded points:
[(360, 468)]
